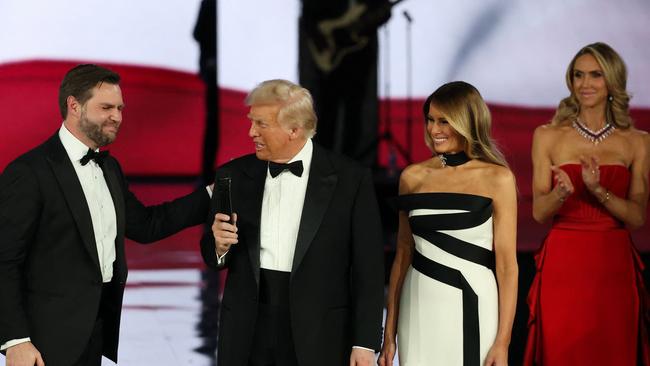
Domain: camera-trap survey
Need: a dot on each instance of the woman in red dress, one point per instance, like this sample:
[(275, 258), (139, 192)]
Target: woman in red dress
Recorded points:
[(590, 176)]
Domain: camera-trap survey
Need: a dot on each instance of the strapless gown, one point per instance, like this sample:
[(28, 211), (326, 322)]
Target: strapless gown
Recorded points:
[(448, 311), (587, 297)]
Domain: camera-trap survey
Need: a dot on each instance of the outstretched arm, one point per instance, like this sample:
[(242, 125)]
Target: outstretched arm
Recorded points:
[(146, 224)]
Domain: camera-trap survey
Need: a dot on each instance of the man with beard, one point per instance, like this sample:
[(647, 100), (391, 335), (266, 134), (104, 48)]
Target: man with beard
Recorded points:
[(65, 209)]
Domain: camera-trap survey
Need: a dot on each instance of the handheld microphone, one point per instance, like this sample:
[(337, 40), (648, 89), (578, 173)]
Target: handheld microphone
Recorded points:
[(223, 198)]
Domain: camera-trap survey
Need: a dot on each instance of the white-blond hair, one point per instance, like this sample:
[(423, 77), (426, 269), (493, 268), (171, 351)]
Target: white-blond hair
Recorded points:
[(296, 103)]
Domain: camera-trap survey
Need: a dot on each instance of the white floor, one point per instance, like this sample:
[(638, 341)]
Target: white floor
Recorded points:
[(161, 311)]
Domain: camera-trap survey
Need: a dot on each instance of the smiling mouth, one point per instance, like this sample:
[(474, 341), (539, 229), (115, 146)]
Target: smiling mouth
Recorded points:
[(587, 93)]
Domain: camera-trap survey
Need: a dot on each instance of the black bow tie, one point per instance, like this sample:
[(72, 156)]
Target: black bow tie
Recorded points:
[(277, 168), (98, 157)]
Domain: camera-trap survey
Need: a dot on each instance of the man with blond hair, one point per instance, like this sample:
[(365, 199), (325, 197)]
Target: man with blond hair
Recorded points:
[(303, 245)]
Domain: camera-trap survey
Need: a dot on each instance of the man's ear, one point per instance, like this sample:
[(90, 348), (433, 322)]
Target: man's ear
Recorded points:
[(295, 133), (74, 106)]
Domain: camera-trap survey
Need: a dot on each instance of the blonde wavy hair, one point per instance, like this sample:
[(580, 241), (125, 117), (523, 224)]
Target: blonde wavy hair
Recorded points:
[(466, 112), (615, 73), (296, 103)]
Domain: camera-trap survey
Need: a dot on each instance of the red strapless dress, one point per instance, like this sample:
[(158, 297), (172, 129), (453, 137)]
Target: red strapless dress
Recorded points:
[(587, 301)]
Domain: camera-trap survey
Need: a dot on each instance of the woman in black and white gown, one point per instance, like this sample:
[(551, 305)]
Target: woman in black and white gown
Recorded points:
[(453, 285)]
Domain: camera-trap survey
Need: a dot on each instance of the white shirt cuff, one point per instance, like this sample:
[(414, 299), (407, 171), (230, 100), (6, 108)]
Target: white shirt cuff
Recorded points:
[(367, 349), (220, 257), (14, 342), (207, 188)]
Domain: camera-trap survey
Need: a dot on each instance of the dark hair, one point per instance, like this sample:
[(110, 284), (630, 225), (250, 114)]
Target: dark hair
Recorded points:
[(79, 82)]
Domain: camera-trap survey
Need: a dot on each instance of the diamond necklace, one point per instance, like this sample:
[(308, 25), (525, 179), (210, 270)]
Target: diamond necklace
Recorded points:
[(595, 137)]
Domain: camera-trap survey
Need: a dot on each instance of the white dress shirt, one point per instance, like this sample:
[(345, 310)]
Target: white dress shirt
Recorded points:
[(99, 200), (284, 197), (282, 203), (100, 205)]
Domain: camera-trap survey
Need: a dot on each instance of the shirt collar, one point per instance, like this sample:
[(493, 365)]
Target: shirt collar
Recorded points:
[(75, 148), (305, 155)]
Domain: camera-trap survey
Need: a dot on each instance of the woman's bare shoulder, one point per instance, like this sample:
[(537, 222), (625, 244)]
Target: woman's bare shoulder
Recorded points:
[(413, 174), (495, 176), (415, 169), (636, 133), (635, 138), (550, 131), (499, 174)]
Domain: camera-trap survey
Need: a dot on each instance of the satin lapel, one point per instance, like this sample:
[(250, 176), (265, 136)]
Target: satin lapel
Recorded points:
[(114, 186), (73, 193), (320, 188), (253, 193)]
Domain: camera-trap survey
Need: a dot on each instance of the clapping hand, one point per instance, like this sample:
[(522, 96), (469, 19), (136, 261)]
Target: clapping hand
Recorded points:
[(590, 172), (563, 185)]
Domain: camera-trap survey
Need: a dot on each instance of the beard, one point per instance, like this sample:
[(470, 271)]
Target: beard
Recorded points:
[(94, 130)]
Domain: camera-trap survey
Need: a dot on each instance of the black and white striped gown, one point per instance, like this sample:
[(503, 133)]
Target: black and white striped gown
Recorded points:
[(449, 304)]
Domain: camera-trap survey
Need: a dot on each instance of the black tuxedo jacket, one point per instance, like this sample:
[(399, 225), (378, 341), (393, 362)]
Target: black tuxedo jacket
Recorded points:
[(336, 288), (49, 268)]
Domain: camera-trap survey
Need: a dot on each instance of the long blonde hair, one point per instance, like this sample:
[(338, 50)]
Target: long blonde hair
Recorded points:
[(466, 112), (618, 102)]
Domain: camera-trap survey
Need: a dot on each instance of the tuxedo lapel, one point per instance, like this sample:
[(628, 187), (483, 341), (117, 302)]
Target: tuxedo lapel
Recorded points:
[(320, 188), (73, 193), (253, 189), (114, 186)]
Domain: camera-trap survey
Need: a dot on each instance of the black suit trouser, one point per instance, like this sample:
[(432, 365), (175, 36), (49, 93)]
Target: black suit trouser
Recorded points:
[(273, 340), (92, 354)]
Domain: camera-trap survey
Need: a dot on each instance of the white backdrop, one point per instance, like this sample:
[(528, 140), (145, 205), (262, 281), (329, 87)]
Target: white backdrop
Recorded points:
[(514, 51)]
